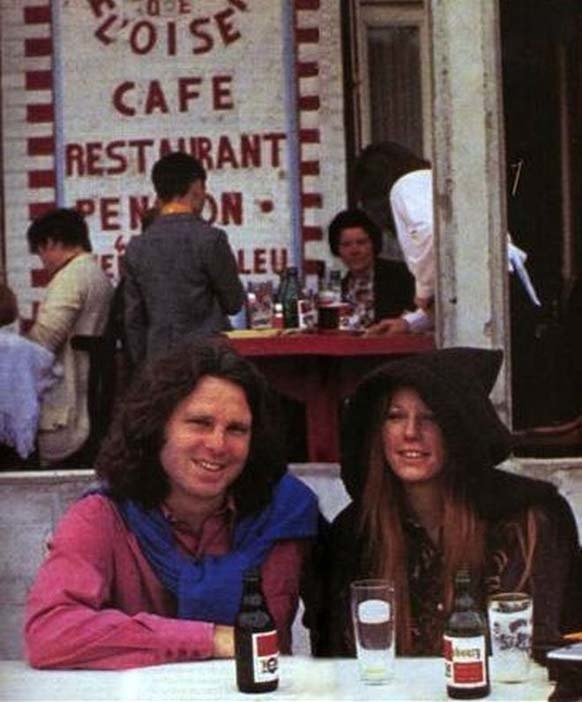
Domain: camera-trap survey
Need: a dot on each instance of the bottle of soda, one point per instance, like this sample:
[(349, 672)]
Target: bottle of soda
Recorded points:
[(255, 639), (290, 298), (465, 645)]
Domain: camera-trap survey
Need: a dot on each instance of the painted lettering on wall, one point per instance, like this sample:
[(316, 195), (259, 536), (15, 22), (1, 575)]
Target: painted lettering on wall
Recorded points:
[(108, 213), (253, 262), (178, 75), (199, 34), (224, 152)]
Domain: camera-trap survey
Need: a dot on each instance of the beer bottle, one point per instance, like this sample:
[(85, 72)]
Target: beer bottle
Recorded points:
[(255, 639), (335, 284), (465, 645), (290, 298)]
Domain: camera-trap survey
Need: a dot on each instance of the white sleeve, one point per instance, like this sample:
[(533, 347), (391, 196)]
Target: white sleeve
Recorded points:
[(411, 203), (419, 321)]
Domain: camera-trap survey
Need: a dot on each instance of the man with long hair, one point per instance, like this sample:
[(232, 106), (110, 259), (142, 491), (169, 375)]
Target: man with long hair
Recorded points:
[(148, 569)]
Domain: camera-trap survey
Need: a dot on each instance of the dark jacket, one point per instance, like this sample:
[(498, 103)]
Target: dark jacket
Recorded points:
[(393, 288), (181, 282), (455, 383)]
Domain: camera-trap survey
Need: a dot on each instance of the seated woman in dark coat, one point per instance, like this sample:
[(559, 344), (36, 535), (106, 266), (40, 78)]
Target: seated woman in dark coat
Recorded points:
[(421, 439), (375, 287)]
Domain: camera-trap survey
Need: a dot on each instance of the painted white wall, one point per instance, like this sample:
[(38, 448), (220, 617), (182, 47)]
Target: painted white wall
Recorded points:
[(32, 503)]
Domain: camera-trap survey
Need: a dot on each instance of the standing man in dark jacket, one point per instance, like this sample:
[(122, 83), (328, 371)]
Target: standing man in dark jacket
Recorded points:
[(181, 277)]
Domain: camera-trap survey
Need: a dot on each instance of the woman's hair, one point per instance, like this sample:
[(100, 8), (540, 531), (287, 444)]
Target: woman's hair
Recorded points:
[(464, 532), (8, 305), (346, 219), (380, 165), (129, 458), (376, 170)]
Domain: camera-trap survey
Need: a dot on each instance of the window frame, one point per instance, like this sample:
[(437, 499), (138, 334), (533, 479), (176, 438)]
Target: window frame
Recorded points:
[(379, 15)]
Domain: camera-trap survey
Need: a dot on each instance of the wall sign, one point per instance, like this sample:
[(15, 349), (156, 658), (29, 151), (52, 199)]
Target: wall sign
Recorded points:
[(95, 91)]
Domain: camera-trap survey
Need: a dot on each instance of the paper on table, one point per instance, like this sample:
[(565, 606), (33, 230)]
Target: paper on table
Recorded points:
[(252, 333), (573, 652)]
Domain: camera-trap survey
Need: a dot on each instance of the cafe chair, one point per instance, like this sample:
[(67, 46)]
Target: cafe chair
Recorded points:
[(101, 390)]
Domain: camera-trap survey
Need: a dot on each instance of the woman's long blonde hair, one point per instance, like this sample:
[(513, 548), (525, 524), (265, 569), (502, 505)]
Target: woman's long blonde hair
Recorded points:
[(464, 532)]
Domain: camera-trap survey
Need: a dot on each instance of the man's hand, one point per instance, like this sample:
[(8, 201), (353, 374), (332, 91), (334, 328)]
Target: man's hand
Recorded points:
[(223, 641), (391, 325)]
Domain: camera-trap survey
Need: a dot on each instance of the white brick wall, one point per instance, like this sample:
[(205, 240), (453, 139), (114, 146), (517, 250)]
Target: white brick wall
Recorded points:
[(30, 506), (565, 475)]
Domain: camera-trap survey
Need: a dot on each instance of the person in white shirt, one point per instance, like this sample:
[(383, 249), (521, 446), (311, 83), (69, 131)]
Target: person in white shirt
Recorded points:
[(388, 169), (412, 212)]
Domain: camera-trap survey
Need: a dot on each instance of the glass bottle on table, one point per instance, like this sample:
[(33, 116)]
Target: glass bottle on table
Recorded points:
[(465, 645), (277, 321), (251, 304), (321, 285), (280, 271), (255, 639), (335, 284), (289, 298)]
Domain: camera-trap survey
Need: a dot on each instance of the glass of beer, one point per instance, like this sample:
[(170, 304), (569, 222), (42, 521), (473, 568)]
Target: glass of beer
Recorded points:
[(372, 603), (511, 626)]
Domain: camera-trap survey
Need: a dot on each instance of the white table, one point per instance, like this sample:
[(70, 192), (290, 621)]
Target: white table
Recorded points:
[(301, 678)]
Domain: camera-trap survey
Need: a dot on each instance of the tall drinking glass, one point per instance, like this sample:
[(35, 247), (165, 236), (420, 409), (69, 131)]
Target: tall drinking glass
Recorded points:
[(373, 613), (511, 627)]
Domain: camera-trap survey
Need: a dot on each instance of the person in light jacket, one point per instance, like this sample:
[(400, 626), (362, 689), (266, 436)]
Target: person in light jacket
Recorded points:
[(76, 301)]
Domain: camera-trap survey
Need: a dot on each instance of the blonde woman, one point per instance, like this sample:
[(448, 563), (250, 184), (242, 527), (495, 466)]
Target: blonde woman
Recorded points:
[(421, 439)]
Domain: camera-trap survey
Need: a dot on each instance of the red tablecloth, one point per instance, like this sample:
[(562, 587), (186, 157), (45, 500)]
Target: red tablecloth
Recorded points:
[(320, 370)]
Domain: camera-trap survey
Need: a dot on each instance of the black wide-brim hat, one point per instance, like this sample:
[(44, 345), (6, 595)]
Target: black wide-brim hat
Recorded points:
[(455, 383)]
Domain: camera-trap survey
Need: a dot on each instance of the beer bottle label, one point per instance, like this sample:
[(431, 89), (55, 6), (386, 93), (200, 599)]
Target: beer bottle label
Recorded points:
[(465, 662), (265, 657)]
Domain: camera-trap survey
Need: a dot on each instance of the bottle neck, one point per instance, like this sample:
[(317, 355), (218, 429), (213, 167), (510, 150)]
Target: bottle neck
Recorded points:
[(252, 597), (463, 599), (252, 589), (251, 586), (463, 592)]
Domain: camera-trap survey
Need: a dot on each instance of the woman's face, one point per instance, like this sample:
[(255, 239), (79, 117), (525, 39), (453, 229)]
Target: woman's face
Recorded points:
[(413, 441), (207, 442), (356, 249)]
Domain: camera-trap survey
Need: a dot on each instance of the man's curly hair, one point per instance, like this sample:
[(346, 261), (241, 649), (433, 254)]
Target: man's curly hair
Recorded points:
[(128, 461)]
